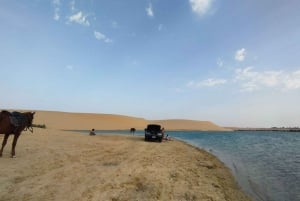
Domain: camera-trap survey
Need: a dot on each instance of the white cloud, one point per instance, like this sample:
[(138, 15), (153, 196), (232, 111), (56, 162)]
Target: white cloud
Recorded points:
[(240, 54), (220, 62), (79, 18), (56, 5), (292, 80), (149, 10), (251, 80), (101, 36), (206, 83), (201, 7)]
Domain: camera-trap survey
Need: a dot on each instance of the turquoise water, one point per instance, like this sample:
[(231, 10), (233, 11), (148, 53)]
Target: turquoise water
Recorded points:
[(265, 164)]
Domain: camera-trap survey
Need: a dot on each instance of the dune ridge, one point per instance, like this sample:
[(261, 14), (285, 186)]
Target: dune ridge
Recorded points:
[(86, 121)]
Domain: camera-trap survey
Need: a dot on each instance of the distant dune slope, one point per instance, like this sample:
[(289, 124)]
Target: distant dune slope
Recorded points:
[(87, 121), (182, 124)]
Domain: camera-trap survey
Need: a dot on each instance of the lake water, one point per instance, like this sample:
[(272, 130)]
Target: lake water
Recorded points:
[(265, 164)]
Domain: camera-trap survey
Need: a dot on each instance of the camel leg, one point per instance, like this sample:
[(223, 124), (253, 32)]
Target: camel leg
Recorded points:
[(3, 143), (16, 136)]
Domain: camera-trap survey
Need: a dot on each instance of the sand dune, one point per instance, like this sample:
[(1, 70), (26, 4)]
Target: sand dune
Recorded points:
[(86, 121)]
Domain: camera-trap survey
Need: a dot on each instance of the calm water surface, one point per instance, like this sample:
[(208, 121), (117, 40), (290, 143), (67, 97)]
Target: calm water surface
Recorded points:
[(265, 164)]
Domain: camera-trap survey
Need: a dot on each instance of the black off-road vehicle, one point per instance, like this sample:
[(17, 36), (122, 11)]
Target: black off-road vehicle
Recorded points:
[(153, 132)]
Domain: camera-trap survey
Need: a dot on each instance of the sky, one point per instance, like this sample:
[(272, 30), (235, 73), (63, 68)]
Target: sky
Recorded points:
[(235, 63)]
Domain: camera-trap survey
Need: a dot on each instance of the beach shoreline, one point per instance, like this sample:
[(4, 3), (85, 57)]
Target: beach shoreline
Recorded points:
[(61, 165)]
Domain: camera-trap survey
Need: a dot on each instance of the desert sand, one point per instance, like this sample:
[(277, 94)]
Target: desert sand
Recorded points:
[(55, 164), (63, 165)]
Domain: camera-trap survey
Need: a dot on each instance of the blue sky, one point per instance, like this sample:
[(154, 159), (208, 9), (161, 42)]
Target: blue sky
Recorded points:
[(235, 63)]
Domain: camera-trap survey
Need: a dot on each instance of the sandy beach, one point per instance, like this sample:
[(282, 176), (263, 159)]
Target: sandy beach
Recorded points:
[(53, 164)]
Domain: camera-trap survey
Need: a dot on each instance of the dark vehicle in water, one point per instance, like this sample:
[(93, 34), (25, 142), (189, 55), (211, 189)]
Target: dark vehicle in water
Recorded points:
[(153, 132)]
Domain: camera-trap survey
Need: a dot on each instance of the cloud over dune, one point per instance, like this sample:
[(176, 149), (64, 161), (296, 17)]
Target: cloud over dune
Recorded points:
[(251, 80)]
